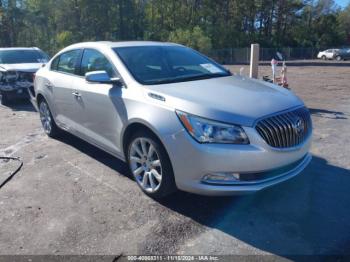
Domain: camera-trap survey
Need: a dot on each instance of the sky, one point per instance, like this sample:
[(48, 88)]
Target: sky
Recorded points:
[(342, 3)]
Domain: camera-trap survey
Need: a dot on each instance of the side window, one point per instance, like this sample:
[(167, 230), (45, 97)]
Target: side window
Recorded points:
[(54, 63), (67, 61), (95, 61)]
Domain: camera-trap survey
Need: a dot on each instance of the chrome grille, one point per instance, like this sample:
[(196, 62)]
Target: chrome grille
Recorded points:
[(287, 129)]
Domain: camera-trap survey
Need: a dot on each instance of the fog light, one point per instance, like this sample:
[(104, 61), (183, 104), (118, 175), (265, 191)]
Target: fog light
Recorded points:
[(221, 177)]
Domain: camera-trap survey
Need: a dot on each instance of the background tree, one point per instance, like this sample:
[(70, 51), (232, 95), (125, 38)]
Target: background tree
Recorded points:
[(202, 24)]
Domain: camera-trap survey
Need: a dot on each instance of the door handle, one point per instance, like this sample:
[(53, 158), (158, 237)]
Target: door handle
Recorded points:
[(76, 94)]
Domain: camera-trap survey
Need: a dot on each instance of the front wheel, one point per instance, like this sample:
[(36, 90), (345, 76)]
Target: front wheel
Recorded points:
[(47, 121), (150, 165), (324, 57), (4, 99)]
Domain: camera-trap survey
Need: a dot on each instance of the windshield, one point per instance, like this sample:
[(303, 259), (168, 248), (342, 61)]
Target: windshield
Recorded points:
[(22, 56), (151, 65)]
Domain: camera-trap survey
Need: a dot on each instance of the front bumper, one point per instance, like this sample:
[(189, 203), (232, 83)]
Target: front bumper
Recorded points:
[(192, 161), (16, 90), (19, 93)]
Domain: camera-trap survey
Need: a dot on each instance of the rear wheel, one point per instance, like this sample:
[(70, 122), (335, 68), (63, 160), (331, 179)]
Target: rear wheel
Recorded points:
[(47, 121), (338, 58), (150, 165)]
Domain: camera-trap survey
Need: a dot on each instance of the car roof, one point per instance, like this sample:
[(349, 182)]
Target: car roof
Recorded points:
[(121, 44)]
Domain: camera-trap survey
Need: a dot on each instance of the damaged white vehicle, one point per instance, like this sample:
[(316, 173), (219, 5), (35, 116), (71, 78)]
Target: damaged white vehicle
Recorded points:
[(17, 69)]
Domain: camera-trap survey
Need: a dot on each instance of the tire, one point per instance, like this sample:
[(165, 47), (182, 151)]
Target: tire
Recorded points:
[(324, 57), (47, 121), (4, 99), (338, 58), (152, 172)]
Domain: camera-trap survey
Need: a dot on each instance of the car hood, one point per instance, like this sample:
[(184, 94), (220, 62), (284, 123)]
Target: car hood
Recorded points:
[(32, 67), (232, 99)]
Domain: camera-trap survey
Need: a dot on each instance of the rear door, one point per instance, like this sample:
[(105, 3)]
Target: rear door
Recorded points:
[(62, 76), (329, 53), (99, 105), (346, 54)]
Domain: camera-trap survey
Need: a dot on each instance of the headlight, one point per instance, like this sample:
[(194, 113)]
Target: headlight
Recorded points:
[(208, 131), (11, 76)]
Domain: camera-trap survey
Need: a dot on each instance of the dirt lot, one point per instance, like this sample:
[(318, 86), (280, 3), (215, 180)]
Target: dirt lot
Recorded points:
[(71, 198)]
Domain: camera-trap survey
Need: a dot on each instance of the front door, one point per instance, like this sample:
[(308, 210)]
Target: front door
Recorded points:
[(100, 105)]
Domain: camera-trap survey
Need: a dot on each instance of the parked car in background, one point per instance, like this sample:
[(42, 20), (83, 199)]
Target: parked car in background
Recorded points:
[(179, 119), (327, 54), (17, 68), (342, 54)]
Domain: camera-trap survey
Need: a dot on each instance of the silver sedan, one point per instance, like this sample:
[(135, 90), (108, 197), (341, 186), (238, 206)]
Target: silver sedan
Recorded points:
[(179, 119)]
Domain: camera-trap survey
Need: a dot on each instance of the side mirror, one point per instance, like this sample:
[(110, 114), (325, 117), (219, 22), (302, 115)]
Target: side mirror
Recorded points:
[(101, 77)]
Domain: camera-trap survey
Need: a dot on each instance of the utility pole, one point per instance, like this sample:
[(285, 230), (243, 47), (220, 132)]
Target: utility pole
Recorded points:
[(254, 61)]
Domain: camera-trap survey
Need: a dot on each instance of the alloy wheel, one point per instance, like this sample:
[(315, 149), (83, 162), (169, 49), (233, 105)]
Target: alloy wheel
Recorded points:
[(145, 164), (45, 117)]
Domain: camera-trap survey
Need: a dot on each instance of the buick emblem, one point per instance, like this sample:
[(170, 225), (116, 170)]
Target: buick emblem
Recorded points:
[(298, 126)]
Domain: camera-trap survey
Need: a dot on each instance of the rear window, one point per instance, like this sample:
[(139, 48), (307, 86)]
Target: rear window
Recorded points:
[(67, 62), (22, 57)]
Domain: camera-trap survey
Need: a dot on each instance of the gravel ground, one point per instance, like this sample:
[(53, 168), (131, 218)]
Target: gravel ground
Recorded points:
[(72, 198)]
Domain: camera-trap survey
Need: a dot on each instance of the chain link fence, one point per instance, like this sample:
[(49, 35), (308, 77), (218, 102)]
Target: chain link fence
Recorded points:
[(242, 55)]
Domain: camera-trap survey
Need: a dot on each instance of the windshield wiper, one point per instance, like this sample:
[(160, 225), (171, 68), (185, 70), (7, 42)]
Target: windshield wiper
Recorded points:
[(188, 78)]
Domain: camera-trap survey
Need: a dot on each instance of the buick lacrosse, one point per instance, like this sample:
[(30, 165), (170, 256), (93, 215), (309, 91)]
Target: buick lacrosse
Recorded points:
[(179, 119)]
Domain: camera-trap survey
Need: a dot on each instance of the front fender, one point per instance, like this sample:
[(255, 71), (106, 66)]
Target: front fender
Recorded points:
[(161, 120)]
